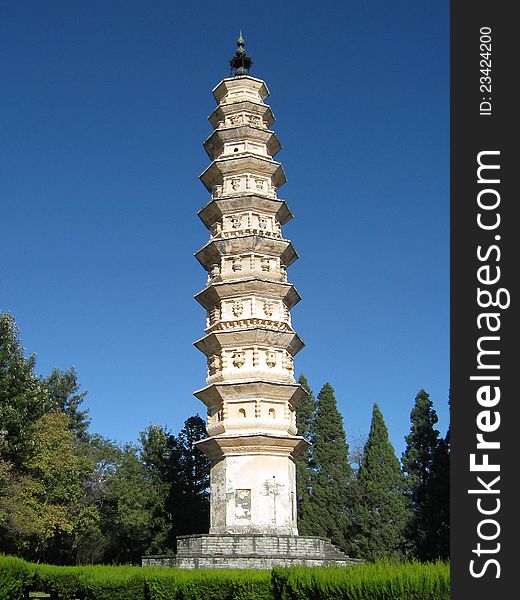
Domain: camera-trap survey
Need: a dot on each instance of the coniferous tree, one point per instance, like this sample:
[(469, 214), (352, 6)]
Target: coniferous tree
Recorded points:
[(190, 490), (418, 461), (304, 415), (65, 397), (437, 515), (379, 507), (331, 471), (176, 461)]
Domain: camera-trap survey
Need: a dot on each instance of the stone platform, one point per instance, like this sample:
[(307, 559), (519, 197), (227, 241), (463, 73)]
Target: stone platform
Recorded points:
[(250, 551)]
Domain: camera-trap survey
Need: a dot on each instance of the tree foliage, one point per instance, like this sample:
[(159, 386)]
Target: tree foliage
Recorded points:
[(65, 396), (426, 468), (379, 508), (331, 472), (304, 415), (23, 397), (176, 461), (42, 501)]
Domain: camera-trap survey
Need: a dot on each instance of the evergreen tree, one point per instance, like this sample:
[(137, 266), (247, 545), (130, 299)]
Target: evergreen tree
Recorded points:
[(184, 469), (437, 515), (379, 506), (64, 395), (304, 415), (189, 493), (331, 471), (438, 498), (417, 461)]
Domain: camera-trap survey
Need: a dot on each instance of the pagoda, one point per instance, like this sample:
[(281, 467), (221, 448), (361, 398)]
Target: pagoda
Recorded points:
[(250, 344)]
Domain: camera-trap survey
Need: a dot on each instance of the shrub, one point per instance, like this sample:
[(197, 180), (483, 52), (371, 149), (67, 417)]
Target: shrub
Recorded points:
[(112, 583), (15, 578), (60, 582), (177, 584), (376, 581)]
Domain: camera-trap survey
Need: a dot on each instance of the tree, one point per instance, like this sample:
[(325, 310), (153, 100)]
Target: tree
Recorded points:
[(92, 536), (418, 461), (189, 493), (43, 502), (379, 506), (178, 463), (63, 388), (132, 501), (438, 500), (23, 397), (331, 471), (304, 416)]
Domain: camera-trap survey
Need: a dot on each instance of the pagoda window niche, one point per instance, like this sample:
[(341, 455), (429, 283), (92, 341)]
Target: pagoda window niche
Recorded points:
[(241, 413)]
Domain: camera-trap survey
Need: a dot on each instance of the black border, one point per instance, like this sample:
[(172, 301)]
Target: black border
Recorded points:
[(472, 133)]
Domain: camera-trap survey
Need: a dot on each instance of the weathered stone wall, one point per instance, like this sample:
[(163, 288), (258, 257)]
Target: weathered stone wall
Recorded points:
[(158, 560), (251, 552)]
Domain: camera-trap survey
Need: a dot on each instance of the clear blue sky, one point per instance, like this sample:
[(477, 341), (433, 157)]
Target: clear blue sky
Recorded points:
[(102, 118)]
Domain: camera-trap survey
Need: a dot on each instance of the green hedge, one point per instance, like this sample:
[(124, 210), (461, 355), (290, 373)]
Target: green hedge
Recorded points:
[(177, 584), (379, 581), (370, 581), (15, 577)]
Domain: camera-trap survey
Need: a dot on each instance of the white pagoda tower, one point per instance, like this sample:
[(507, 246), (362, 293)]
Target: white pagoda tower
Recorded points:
[(251, 394)]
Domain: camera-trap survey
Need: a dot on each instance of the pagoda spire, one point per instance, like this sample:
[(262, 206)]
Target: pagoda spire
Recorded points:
[(240, 63)]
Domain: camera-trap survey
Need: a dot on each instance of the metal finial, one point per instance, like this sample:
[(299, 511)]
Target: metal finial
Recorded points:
[(240, 63)]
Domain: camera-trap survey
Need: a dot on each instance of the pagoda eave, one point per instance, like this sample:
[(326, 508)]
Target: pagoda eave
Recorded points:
[(214, 342), (230, 83), (216, 292), (214, 145), (218, 447), (218, 116), (254, 164), (214, 250), (216, 208), (218, 393)]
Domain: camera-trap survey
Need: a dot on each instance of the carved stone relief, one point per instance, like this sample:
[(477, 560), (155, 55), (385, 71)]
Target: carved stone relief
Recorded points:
[(270, 359), (235, 222), (238, 308), (214, 314), (268, 308), (213, 364), (265, 264), (238, 358), (288, 362)]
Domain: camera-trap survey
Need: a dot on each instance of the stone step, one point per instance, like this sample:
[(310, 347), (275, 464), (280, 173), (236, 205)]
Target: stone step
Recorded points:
[(251, 551)]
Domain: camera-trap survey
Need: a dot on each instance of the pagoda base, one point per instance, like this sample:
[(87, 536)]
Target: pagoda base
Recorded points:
[(251, 551)]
